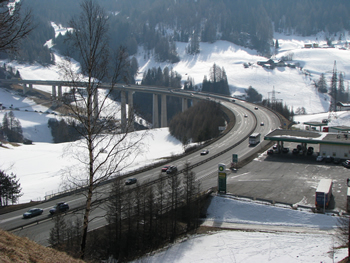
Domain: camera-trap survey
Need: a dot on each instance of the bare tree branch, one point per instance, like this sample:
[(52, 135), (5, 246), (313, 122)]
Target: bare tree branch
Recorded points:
[(14, 25)]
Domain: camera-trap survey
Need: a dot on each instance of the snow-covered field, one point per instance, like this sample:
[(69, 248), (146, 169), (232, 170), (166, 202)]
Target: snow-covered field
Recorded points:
[(268, 236), (40, 166)]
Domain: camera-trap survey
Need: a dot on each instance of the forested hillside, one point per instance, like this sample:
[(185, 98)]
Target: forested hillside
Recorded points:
[(158, 24)]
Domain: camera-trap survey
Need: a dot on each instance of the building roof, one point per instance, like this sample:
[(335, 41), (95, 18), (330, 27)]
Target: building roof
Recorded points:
[(301, 136), (315, 123), (340, 128)]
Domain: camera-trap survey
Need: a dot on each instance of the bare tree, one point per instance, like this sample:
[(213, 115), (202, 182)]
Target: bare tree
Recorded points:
[(14, 25), (105, 150)]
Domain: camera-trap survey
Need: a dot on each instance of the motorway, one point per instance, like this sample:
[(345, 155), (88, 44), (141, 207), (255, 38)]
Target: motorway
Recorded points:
[(234, 142)]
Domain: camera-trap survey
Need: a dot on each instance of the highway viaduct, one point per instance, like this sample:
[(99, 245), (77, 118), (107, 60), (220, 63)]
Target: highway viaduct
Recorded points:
[(126, 90)]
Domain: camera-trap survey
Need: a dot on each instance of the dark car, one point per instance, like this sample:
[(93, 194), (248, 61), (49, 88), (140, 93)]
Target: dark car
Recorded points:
[(270, 152), (310, 150), (130, 181), (285, 150), (165, 168), (337, 161), (171, 170), (295, 151), (59, 207), (328, 159), (256, 108), (33, 212), (205, 152), (261, 124), (346, 163)]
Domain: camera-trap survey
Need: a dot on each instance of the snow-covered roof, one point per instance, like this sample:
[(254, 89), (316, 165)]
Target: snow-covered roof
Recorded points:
[(303, 136)]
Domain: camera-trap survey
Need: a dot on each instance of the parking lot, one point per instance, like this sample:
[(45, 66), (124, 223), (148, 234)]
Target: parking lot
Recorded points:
[(289, 178)]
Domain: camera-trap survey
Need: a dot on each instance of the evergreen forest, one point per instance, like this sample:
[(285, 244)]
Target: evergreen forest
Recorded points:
[(158, 24)]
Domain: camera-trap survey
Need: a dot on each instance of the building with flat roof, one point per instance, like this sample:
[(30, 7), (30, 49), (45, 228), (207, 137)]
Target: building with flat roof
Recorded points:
[(336, 145)]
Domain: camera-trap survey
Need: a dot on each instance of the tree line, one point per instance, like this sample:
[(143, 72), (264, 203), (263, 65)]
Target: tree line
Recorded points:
[(157, 24), (140, 219), (11, 128), (10, 188), (217, 82), (199, 123)]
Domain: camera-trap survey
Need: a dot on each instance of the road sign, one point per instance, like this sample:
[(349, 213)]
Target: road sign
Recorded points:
[(222, 178), (235, 158), (221, 167)]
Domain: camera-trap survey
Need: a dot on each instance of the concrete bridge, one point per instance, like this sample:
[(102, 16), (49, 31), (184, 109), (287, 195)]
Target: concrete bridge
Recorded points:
[(126, 90)]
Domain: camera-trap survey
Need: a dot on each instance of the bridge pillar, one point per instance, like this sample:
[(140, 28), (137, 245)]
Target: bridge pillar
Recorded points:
[(53, 92), (31, 87), (184, 104), (163, 114), (155, 117), (59, 88), (24, 88), (131, 111), (123, 110)]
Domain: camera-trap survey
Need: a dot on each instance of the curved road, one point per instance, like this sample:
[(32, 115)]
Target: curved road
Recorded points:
[(38, 228)]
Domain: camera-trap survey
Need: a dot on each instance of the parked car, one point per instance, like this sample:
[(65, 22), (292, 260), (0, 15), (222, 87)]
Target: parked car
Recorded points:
[(328, 159), (295, 151), (310, 150), (346, 163), (171, 170), (205, 152), (165, 168), (33, 212), (319, 158), (59, 208), (285, 150), (270, 152), (130, 181), (337, 161), (275, 146)]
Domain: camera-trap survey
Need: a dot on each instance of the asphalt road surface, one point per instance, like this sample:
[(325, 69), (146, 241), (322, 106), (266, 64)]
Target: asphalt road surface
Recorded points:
[(288, 178)]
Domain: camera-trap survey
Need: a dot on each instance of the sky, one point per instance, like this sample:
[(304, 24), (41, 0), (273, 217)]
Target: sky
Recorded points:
[(40, 166)]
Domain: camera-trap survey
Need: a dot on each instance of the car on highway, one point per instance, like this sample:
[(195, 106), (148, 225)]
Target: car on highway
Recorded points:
[(33, 212), (319, 158), (165, 168), (205, 152), (261, 124), (172, 169), (245, 115), (59, 208), (130, 181), (256, 108)]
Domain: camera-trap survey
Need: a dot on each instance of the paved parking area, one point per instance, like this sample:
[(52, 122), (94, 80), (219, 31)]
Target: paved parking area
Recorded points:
[(289, 178)]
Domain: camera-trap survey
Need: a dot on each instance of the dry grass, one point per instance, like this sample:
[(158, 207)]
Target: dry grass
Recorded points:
[(19, 249)]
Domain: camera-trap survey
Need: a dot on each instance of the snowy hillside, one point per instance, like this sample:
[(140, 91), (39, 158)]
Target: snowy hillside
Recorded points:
[(293, 86)]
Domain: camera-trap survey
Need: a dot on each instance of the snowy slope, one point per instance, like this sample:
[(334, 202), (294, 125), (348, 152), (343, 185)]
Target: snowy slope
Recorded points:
[(293, 86)]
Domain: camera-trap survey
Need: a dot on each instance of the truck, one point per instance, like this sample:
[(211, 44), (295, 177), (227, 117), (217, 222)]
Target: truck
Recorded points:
[(254, 138), (323, 193)]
